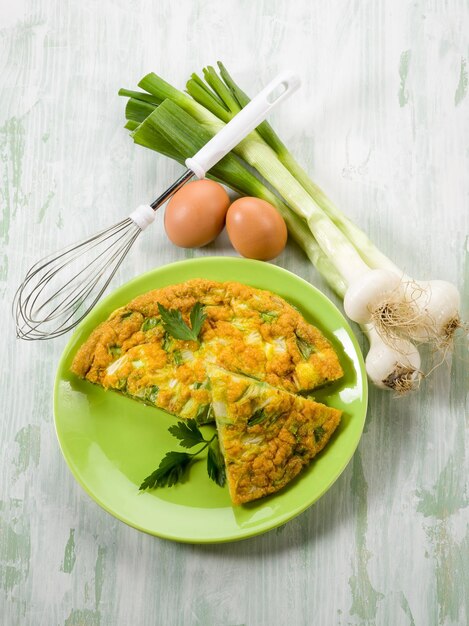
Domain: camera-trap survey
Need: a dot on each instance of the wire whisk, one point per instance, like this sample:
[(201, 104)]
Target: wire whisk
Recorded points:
[(46, 307), (61, 289)]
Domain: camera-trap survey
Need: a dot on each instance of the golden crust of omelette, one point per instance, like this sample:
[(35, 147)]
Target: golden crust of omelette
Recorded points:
[(267, 435), (235, 312)]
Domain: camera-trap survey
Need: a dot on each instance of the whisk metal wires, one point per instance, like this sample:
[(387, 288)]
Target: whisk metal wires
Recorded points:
[(62, 288), (46, 306)]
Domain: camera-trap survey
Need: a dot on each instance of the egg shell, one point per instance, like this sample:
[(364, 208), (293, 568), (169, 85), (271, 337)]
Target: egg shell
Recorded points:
[(195, 215), (256, 229)]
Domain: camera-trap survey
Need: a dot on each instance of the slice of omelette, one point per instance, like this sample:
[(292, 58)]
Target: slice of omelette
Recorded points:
[(267, 435), (246, 331)]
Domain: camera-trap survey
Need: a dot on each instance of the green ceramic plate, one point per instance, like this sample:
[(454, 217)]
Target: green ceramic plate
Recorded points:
[(111, 442)]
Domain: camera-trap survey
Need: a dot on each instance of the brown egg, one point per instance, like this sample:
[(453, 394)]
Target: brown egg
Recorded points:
[(195, 215), (256, 229)]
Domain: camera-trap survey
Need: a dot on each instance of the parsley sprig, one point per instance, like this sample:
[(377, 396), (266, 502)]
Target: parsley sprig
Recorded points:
[(173, 465), (177, 327)]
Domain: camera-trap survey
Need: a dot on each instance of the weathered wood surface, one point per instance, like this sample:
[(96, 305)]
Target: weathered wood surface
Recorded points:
[(382, 122)]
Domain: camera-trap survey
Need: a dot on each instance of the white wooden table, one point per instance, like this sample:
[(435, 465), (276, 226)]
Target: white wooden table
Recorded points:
[(382, 124)]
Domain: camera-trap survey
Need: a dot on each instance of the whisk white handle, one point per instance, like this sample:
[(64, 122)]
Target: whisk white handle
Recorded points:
[(143, 216), (243, 123)]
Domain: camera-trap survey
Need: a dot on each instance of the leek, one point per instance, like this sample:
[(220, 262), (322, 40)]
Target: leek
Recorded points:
[(177, 124)]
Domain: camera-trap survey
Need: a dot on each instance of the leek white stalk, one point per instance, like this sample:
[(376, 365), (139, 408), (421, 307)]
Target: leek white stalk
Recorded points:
[(391, 367)]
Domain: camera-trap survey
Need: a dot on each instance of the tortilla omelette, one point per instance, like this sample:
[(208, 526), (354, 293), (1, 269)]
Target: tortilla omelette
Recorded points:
[(247, 330), (250, 341)]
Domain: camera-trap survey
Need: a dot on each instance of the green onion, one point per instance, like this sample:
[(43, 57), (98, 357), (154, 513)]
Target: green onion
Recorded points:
[(139, 95), (221, 90), (150, 323), (131, 125), (201, 93), (137, 111)]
